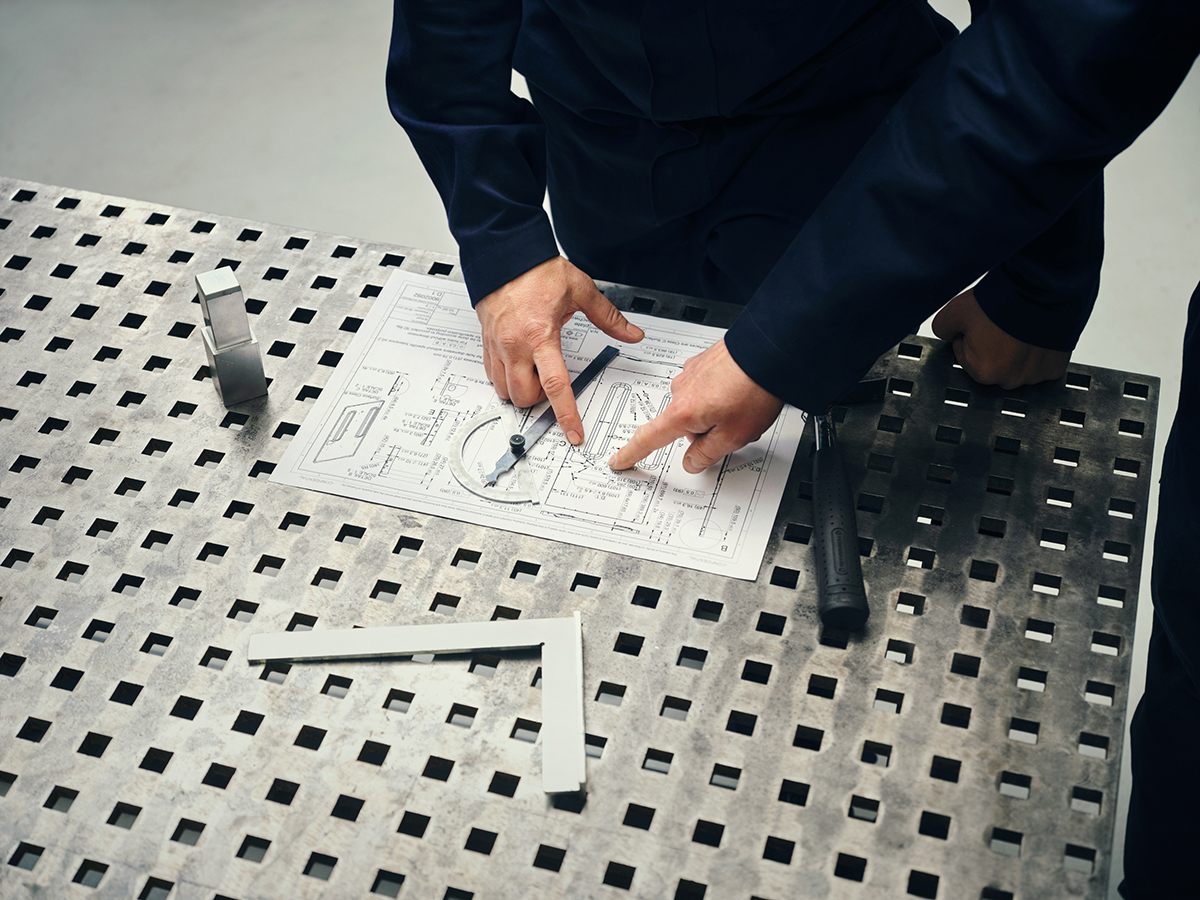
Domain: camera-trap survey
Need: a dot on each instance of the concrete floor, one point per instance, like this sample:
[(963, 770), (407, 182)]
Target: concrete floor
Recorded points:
[(275, 111)]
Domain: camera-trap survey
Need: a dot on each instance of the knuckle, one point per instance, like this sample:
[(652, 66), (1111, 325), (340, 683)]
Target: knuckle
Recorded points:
[(555, 383)]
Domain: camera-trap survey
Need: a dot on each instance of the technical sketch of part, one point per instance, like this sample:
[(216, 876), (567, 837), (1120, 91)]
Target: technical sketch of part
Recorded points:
[(524, 493), (435, 426), (348, 432), (386, 469), (400, 385), (561, 640), (610, 414), (452, 389), (656, 461)]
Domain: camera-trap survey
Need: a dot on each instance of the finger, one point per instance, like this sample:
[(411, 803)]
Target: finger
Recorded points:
[(601, 313), (654, 435), (963, 355), (951, 319), (707, 449), (487, 364), (521, 379), (556, 382), (499, 378)]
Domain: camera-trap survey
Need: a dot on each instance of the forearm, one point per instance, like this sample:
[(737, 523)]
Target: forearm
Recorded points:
[(448, 76), (995, 141)]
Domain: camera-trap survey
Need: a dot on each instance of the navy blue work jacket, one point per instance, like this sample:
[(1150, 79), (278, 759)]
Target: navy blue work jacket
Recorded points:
[(967, 175)]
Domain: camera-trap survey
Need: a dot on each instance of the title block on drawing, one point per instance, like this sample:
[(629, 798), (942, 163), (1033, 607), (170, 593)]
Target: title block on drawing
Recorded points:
[(234, 357)]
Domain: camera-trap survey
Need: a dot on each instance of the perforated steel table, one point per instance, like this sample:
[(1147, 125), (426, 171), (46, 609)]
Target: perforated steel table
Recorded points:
[(965, 745)]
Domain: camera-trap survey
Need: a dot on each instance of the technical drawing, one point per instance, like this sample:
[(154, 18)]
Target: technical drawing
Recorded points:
[(423, 438)]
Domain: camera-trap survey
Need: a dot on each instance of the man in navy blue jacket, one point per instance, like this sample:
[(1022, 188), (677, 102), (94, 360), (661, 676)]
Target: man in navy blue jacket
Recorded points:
[(987, 163), (684, 146)]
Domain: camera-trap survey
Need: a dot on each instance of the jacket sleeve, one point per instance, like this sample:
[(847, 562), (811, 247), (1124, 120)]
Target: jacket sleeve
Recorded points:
[(1044, 294), (1003, 135), (448, 77)]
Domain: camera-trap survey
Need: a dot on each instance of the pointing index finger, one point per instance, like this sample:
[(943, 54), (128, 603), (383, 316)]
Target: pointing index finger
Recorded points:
[(556, 382), (655, 434)]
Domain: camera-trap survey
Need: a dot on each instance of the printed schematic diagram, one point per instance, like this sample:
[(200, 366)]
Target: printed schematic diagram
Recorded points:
[(393, 436)]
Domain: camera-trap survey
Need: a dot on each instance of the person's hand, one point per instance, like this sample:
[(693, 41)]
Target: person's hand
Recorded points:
[(522, 353), (988, 353), (714, 404)]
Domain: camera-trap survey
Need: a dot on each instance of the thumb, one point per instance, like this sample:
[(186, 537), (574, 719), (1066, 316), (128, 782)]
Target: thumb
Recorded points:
[(951, 319), (608, 318)]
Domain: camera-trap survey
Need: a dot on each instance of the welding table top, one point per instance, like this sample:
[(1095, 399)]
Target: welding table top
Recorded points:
[(967, 744)]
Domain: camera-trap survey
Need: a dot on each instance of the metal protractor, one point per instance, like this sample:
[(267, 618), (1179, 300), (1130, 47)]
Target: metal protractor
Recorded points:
[(524, 493)]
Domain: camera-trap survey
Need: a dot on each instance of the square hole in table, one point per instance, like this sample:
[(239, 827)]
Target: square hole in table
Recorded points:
[(282, 792), (794, 792), (779, 850), (398, 701), (98, 631), (41, 617), (218, 776), (444, 604), (691, 658), (347, 807), (760, 673), (253, 849), (709, 833), (124, 815), (247, 722), (910, 604), (156, 644), (657, 761), (156, 760), (808, 737), (888, 701), (461, 715), (610, 693), (60, 799), (525, 730), (90, 873), (629, 644), (725, 777), (413, 824), (876, 754), (864, 808), (301, 622), (637, 816), (387, 884), (66, 679), (188, 832), (438, 768), (310, 737), (585, 584), (337, 686), (852, 868), (934, 825)]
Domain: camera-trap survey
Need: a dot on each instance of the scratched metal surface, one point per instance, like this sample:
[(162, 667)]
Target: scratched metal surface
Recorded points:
[(965, 745)]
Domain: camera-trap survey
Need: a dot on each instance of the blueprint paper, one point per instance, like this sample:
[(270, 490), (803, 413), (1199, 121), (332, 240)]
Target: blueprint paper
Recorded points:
[(401, 401)]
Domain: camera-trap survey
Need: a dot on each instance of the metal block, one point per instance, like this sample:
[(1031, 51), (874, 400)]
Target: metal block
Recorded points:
[(237, 371), (224, 307)]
